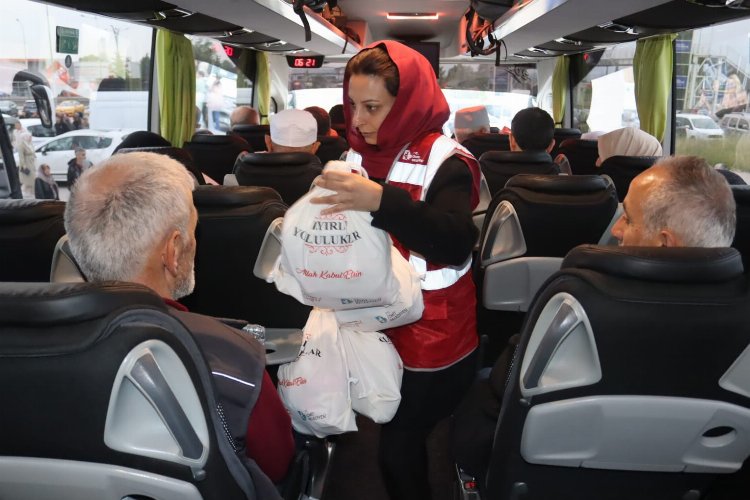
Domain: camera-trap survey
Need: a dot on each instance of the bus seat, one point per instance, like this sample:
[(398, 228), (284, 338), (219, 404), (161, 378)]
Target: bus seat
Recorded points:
[(181, 155), (255, 135), (485, 197), (214, 155), (531, 225), (611, 392), (331, 148), (742, 234), (581, 155), (107, 396), (562, 134), (232, 222), (623, 169), (29, 231), (65, 269), (291, 174), (499, 166), (478, 144)]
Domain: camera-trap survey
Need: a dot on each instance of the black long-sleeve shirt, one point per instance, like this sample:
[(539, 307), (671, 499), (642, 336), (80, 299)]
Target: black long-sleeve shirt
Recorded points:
[(440, 228)]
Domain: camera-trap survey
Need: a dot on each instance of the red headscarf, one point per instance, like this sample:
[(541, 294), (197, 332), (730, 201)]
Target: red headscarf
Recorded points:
[(420, 107)]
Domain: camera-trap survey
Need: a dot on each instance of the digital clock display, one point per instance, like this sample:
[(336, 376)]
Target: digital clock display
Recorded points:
[(305, 61)]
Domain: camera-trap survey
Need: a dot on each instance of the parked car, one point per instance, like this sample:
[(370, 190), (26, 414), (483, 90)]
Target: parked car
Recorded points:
[(39, 133), (735, 124), (694, 126), (8, 108), (70, 107), (29, 109), (58, 151)]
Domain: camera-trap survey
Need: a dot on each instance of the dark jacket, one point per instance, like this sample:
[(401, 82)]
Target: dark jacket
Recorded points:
[(74, 172), (44, 190)]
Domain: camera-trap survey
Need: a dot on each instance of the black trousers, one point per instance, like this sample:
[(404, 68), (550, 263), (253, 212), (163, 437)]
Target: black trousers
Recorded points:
[(426, 399)]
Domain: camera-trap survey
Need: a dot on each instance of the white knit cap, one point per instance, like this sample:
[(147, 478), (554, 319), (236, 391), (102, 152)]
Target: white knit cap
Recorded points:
[(293, 128)]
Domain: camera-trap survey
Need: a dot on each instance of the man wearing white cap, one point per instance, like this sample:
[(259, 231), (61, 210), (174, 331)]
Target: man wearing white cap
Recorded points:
[(473, 120), (293, 131), (290, 165)]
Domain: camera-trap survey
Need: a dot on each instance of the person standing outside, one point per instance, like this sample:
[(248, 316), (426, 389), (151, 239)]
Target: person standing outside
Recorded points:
[(45, 187), (201, 91), (26, 164), (427, 186), (214, 103), (76, 166)]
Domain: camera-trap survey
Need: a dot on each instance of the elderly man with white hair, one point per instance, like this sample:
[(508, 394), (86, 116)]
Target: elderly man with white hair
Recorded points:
[(679, 202), (131, 218)]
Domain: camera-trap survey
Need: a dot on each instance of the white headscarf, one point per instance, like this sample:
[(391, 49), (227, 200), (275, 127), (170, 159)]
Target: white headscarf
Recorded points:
[(628, 141)]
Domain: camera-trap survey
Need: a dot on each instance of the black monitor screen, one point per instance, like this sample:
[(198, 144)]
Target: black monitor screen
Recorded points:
[(431, 51)]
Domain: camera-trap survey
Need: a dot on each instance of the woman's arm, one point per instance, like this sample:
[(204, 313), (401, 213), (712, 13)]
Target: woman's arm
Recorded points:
[(440, 228)]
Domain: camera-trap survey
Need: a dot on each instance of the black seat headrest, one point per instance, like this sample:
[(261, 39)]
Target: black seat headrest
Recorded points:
[(657, 264), (179, 154), (630, 162), (277, 159), (251, 129), (24, 211), (516, 157), (233, 196), (562, 184), (40, 304), (578, 144), (219, 140), (567, 132), (741, 194)]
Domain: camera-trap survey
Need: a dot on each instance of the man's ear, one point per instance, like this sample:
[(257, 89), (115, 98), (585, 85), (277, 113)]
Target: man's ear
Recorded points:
[(551, 145), (269, 143), (314, 147), (513, 143), (668, 239), (171, 252)]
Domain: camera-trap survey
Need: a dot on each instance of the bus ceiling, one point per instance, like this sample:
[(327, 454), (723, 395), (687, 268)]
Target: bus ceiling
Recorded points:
[(530, 29)]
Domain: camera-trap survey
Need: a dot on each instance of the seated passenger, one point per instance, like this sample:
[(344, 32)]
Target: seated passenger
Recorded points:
[(532, 129), (628, 141), (468, 121), (132, 218), (293, 131), (290, 165), (338, 122), (331, 145), (244, 115), (679, 202)]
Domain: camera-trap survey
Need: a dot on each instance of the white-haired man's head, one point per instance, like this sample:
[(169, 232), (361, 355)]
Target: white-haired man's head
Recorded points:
[(679, 202), (132, 218)]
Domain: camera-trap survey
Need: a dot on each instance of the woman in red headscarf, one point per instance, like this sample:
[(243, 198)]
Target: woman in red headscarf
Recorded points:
[(423, 189)]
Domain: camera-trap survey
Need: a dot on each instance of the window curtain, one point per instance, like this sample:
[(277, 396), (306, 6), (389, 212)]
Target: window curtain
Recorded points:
[(560, 89), (175, 68), (652, 71), (263, 83)]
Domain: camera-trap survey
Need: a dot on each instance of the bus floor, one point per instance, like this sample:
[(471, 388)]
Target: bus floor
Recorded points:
[(355, 472)]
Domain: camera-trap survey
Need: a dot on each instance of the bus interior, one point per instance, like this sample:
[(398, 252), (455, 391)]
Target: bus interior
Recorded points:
[(84, 73)]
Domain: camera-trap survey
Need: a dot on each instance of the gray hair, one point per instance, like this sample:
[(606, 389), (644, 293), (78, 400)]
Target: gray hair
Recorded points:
[(119, 209), (695, 202)]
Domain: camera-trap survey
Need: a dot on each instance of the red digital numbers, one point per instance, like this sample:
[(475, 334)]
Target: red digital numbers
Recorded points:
[(229, 51), (299, 62)]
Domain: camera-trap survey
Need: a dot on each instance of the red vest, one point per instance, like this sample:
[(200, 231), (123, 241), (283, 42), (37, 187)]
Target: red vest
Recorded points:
[(447, 331)]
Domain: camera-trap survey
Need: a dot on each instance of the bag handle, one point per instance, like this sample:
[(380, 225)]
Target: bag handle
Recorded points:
[(346, 166)]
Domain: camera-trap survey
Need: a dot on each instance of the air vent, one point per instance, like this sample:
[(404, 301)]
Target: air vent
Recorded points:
[(619, 28), (175, 13), (710, 3)]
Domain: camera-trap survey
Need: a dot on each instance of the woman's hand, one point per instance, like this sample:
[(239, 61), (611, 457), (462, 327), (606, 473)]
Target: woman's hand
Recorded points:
[(352, 192)]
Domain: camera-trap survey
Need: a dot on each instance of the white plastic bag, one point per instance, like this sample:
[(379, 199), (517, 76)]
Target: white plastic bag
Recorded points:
[(407, 308), (376, 370), (339, 261), (315, 386)]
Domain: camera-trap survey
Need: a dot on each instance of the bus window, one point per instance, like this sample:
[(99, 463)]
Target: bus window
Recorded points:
[(605, 99), (711, 75), (503, 91), (95, 50), (220, 84)]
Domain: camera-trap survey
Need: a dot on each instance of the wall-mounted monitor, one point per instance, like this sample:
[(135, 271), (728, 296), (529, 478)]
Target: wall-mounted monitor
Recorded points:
[(431, 51)]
